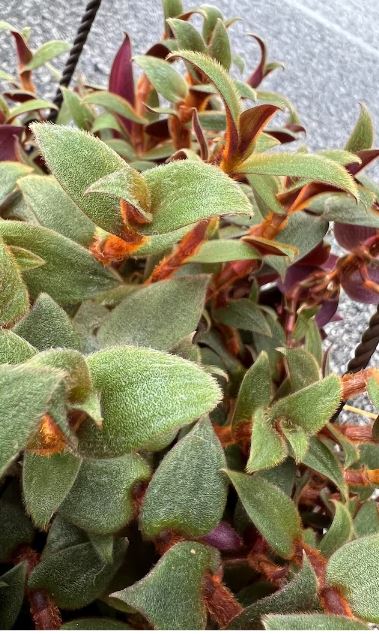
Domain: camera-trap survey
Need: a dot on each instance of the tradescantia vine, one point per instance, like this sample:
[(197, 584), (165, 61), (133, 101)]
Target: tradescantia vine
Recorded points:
[(167, 453)]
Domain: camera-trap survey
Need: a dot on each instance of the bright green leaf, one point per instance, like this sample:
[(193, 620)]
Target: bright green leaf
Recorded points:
[(272, 512), (54, 209), (146, 396), (14, 349), (46, 482), (309, 166), (267, 447), (157, 316), (165, 79), (26, 395), (12, 594), (101, 499), (184, 192), (321, 459), (339, 532), (255, 390), (354, 569), (47, 325), (311, 622), (10, 172), (217, 251), (310, 407), (70, 275), (170, 596), (188, 492), (362, 136), (113, 103)]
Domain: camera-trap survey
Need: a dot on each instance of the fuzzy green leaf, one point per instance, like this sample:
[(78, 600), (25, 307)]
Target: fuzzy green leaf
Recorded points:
[(77, 378), (11, 595), (217, 251), (255, 390), (14, 349), (303, 368), (47, 326), (321, 459), (170, 596), (272, 511), (301, 165), (101, 499), (362, 136), (366, 521), (184, 192), (95, 624), (310, 407), (46, 483), (298, 440), (113, 103), (339, 532), (351, 452), (26, 260), (16, 527), (354, 569), (54, 209), (186, 35), (267, 447), (299, 594), (165, 79), (146, 396), (315, 621), (220, 78), (14, 300), (10, 172), (26, 395), (76, 576), (29, 106), (93, 160), (46, 53), (219, 45), (70, 274), (187, 493), (244, 314), (157, 316), (127, 184), (80, 113)]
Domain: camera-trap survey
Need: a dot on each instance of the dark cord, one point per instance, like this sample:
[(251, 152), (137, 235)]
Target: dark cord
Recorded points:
[(364, 351), (73, 58)]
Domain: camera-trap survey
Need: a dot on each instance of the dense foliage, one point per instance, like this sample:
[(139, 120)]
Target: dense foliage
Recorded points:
[(169, 450)]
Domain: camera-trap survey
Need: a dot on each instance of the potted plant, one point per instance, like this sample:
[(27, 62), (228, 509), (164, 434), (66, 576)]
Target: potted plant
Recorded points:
[(170, 450)]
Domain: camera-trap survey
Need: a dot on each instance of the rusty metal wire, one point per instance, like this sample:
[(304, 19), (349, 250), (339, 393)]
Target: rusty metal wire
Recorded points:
[(75, 52)]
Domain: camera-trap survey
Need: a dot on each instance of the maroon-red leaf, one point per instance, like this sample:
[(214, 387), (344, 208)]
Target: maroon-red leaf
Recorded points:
[(366, 156), (258, 74), (121, 80), (24, 54), (252, 122), (352, 283), (9, 135)]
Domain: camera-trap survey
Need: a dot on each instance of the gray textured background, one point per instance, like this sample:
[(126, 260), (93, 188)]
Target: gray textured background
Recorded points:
[(330, 50)]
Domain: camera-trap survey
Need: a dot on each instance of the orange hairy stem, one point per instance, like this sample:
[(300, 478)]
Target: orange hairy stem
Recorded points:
[(44, 612), (219, 601), (356, 383), (187, 247), (112, 249)]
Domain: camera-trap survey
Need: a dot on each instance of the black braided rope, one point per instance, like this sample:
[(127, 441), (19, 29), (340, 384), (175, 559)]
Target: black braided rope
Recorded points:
[(76, 50), (364, 351)]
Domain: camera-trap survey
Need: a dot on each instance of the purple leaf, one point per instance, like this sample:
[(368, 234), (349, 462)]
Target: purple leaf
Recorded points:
[(9, 135), (224, 537), (366, 156), (351, 236), (327, 312), (352, 284), (121, 80)]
